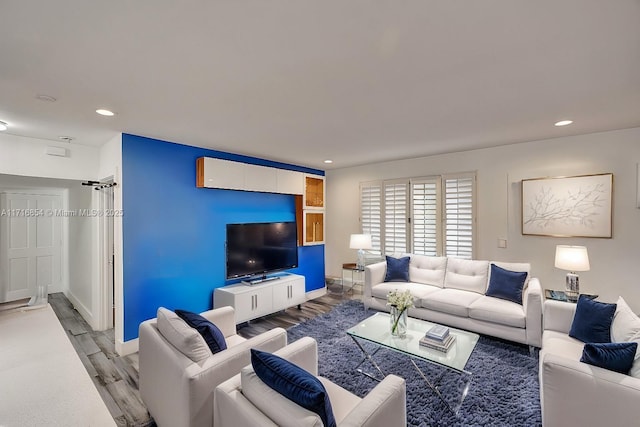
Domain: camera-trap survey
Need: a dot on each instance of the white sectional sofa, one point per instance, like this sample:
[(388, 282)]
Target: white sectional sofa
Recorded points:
[(451, 292), (573, 393)]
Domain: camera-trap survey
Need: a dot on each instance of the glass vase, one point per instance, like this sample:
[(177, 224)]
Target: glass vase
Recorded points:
[(398, 322)]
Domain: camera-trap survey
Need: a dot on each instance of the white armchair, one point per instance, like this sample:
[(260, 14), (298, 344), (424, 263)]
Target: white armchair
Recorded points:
[(573, 393), (177, 391), (384, 406)]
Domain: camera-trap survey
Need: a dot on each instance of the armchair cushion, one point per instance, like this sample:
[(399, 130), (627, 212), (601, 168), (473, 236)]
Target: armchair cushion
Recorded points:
[(209, 331), (616, 357), (592, 321), (506, 284), (182, 336), (397, 269), (294, 383)]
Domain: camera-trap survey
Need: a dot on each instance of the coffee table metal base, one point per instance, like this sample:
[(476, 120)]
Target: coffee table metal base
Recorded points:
[(433, 385)]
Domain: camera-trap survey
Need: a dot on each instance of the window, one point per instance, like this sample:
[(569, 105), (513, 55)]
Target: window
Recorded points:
[(428, 216)]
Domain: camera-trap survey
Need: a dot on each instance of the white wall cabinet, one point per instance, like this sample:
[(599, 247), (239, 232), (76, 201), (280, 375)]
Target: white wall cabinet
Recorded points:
[(253, 301), (230, 175)]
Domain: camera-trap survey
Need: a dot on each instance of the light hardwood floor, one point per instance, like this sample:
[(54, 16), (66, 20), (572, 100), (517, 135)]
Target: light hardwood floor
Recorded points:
[(116, 377)]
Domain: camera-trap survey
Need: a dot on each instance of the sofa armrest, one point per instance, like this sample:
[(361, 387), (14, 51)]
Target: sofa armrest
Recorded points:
[(532, 305), (303, 352), (577, 394), (373, 275), (232, 408), (224, 318), (384, 406), (558, 315)]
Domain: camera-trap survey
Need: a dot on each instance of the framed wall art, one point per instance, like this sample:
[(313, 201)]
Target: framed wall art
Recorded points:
[(575, 206)]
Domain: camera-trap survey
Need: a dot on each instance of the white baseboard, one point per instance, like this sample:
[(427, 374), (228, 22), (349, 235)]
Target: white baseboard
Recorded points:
[(124, 348), (317, 293), (82, 309)]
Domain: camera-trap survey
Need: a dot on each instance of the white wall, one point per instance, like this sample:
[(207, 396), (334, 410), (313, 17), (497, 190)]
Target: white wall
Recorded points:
[(26, 157), (110, 166), (615, 269), (80, 237)]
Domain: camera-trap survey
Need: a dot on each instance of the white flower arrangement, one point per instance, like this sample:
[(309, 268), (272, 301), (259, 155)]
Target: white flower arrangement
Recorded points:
[(400, 300)]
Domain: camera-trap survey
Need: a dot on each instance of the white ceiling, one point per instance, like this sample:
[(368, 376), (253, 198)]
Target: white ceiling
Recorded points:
[(301, 81)]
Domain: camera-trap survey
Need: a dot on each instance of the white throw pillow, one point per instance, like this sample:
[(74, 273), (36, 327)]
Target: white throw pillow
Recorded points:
[(183, 337), (626, 324), (626, 328)]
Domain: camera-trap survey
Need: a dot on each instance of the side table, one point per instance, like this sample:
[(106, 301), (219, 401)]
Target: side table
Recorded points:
[(352, 275), (556, 295)]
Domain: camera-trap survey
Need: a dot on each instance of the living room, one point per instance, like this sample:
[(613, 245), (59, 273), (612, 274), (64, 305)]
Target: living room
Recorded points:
[(169, 243)]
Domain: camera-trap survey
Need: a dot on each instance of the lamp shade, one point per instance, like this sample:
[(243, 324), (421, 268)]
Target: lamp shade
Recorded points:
[(360, 241), (572, 258)]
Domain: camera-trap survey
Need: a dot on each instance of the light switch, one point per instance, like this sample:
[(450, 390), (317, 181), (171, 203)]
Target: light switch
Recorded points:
[(502, 243)]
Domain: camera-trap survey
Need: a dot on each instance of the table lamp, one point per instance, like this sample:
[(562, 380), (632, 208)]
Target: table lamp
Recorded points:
[(572, 259), (360, 242)]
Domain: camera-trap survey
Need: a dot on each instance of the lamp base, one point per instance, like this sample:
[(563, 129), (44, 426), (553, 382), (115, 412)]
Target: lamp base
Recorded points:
[(572, 288), (360, 261)]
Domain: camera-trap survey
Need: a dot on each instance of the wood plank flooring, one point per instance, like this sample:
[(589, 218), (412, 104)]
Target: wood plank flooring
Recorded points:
[(116, 377)]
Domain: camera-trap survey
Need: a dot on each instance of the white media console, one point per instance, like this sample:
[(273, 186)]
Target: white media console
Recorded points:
[(253, 301)]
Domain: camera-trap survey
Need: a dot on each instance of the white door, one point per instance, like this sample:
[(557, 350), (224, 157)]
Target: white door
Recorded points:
[(31, 241)]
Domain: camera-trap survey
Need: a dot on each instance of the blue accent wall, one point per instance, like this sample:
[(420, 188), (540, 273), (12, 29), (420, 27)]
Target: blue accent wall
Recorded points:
[(174, 232)]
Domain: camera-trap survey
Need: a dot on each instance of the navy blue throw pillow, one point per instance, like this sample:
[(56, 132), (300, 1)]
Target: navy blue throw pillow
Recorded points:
[(294, 383), (210, 332), (615, 356), (592, 321), (397, 269), (506, 284)]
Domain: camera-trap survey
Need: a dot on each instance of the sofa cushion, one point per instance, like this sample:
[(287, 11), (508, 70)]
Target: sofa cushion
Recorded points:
[(561, 344), (499, 311), (294, 383), (592, 321), (418, 290), (342, 400), (209, 331), (467, 275), (397, 269), (506, 284), (429, 270), (450, 301), (182, 336), (282, 411), (616, 357)]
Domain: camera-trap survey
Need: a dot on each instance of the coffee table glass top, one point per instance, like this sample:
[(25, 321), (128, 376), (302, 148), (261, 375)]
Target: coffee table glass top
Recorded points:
[(377, 330)]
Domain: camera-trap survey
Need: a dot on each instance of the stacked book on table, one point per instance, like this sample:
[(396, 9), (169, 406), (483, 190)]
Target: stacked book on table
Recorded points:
[(438, 338)]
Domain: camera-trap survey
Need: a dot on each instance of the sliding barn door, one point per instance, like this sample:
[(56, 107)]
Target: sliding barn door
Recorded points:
[(31, 241)]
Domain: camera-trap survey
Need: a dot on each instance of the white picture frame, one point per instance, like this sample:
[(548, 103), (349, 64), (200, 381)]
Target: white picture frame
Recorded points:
[(575, 206)]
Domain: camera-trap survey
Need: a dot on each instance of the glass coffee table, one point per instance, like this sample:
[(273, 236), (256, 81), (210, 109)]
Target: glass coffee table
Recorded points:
[(376, 330)]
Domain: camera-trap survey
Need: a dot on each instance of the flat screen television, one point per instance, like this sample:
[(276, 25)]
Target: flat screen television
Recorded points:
[(257, 249)]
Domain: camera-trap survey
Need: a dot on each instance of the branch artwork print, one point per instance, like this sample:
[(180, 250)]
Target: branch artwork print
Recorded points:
[(580, 207), (574, 206)]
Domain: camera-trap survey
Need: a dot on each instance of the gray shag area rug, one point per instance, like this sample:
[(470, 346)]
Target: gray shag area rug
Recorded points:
[(504, 388)]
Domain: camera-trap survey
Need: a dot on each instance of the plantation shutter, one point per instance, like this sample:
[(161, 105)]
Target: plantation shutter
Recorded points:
[(371, 212), (425, 217), (396, 208), (459, 215)]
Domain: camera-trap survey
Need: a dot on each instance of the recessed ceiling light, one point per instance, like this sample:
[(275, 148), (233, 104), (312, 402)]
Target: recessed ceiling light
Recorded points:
[(3, 126), (46, 98), (328, 161), (564, 122), (104, 112)]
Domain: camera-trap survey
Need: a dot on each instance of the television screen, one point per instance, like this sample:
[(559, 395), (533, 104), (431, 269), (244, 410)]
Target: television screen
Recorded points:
[(260, 248)]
